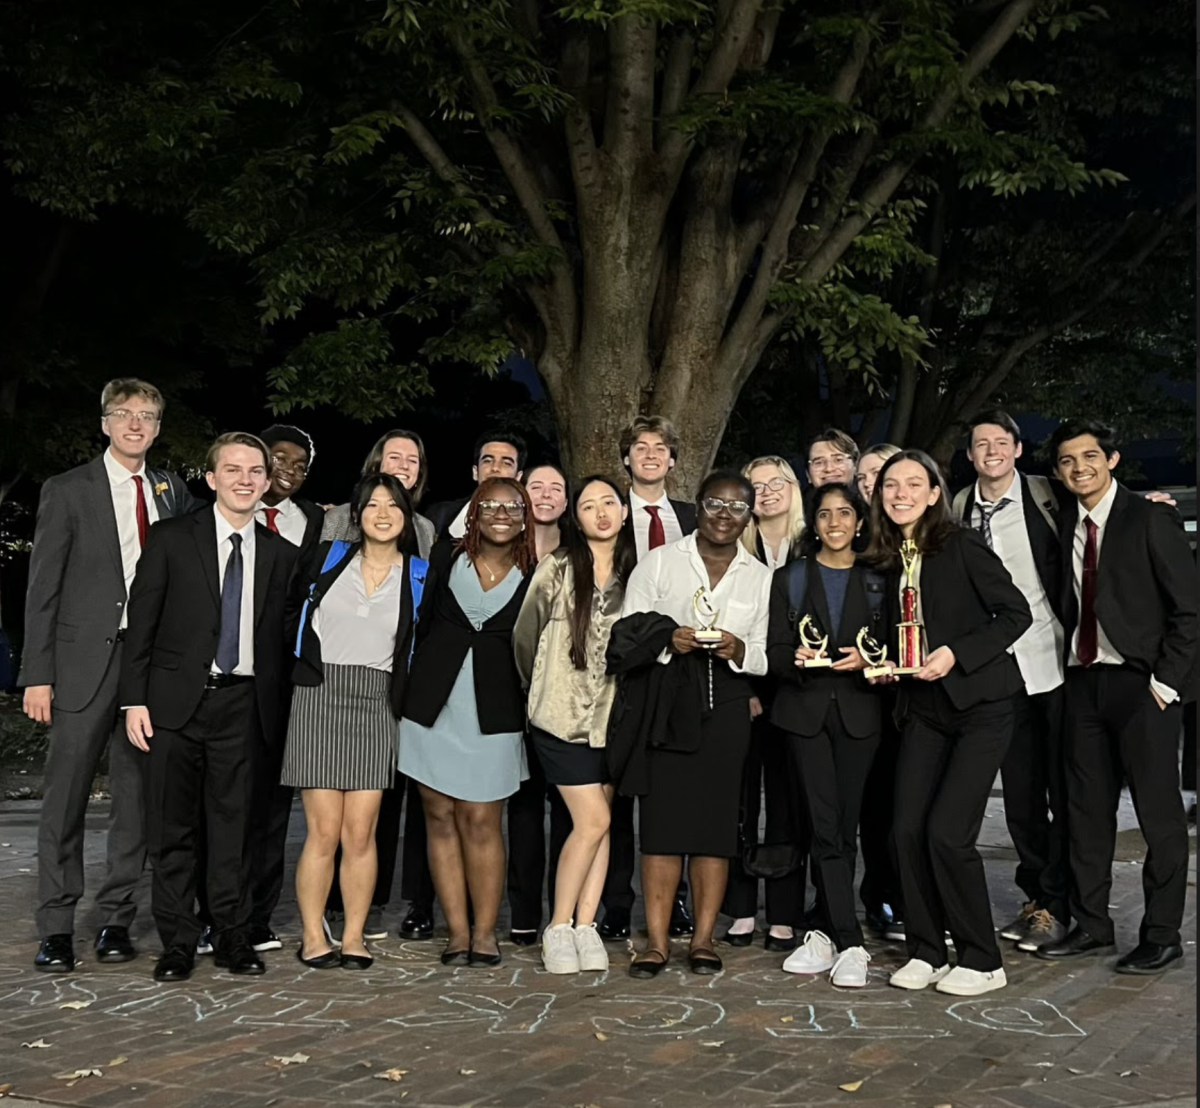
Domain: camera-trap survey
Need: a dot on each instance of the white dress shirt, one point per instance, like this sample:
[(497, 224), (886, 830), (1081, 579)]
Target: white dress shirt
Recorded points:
[(1106, 653), (124, 501), (666, 580), (642, 518), (245, 665), (291, 522), (1039, 650)]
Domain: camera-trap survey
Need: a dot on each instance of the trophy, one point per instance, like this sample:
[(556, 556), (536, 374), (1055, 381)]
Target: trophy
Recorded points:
[(912, 633), (873, 654), (811, 637), (707, 634)]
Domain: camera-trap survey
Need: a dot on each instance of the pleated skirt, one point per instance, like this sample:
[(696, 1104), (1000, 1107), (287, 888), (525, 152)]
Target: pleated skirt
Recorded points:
[(341, 733)]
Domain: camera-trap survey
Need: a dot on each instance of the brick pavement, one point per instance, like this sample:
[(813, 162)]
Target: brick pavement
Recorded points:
[(1074, 1035)]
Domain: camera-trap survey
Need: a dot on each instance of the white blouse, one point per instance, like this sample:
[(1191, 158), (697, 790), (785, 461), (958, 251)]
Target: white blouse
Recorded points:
[(356, 629), (666, 579)]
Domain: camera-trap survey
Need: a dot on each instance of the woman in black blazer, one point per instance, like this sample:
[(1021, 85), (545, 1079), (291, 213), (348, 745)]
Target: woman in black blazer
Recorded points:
[(461, 737), (359, 605), (956, 718), (829, 715)]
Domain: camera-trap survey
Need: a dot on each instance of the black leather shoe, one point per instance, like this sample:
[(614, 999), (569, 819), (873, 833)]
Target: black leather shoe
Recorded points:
[(523, 938), (615, 925), (357, 961), (681, 921), (55, 955), (704, 962), (745, 938), (1077, 944), (240, 959), (780, 946), (113, 945), (1146, 958), (327, 960), (877, 919), (418, 924), (175, 964)]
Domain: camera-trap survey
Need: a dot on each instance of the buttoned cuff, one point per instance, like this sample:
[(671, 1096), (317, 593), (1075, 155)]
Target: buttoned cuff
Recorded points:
[(1166, 694)]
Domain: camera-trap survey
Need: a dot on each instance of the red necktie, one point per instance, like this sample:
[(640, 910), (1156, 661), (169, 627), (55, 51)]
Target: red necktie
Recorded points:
[(271, 514), (658, 537), (1087, 598), (143, 515)]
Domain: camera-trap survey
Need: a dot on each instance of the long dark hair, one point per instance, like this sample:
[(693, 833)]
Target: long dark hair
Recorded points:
[(936, 524), (375, 459), (582, 562), (524, 546), (406, 541), (810, 541)]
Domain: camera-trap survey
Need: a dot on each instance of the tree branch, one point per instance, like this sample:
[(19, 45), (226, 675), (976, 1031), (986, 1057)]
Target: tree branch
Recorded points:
[(676, 75), (577, 120), (629, 111)]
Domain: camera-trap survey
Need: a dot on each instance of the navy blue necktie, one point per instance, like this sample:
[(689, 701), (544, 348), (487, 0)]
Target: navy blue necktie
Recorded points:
[(231, 609)]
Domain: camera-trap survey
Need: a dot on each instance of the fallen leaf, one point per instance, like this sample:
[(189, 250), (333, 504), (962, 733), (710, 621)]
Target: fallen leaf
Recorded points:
[(119, 1061), (40, 1044), (786, 1019), (601, 1036), (719, 1042), (391, 1075), (76, 1004), (1129, 1073), (291, 1059), (75, 1075), (467, 1073), (1071, 1069), (851, 1086), (5, 1090)]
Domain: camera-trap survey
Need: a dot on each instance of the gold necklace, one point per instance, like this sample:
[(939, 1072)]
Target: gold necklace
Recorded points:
[(491, 575)]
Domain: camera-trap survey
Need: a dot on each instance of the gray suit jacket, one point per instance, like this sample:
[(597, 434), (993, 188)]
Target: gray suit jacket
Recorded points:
[(76, 594), (338, 526)]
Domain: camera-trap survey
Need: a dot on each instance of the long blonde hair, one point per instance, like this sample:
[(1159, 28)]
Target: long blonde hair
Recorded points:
[(795, 515)]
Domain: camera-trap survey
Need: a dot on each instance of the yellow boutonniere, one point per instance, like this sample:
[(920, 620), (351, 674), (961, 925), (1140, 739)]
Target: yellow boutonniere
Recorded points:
[(160, 488)]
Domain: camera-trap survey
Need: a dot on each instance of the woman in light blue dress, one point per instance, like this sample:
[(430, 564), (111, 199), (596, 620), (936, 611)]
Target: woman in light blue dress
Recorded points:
[(464, 712)]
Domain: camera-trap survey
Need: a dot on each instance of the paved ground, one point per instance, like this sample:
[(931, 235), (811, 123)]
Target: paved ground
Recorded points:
[(411, 1031)]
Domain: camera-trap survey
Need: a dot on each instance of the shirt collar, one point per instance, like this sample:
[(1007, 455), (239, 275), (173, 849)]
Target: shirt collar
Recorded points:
[(286, 506), (637, 503), (1013, 492), (688, 545), (117, 473), (1100, 513), (225, 529)]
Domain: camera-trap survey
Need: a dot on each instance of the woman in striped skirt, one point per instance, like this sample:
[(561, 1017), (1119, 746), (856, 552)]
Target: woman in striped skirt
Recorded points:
[(352, 654)]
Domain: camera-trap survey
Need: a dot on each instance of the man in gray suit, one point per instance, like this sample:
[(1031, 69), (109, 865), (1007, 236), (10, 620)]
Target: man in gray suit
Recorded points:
[(92, 523)]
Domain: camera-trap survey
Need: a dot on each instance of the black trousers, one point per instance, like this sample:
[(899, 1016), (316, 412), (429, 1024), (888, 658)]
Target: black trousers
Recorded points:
[(1187, 778), (1116, 731), (416, 882), (948, 761), (768, 781), (527, 875), (200, 786), (1034, 778), (270, 813), (881, 876), (831, 769)]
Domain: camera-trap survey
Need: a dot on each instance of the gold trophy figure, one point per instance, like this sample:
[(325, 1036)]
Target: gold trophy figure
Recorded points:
[(873, 654), (811, 637), (912, 631), (707, 634)]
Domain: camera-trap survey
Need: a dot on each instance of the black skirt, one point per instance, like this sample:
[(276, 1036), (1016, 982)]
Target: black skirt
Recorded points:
[(566, 763)]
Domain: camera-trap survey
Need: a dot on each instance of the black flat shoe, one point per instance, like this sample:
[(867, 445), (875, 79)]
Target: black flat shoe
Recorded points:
[(780, 946), (681, 921), (704, 962), (113, 945), (357, 961), (1147, 958), (327, 960), (475, 958), (55, 955), (615, 925), (418, 924), (523, 938), (175, 964), (455, 957), (742, 939), (1078, 944), (643, 968)]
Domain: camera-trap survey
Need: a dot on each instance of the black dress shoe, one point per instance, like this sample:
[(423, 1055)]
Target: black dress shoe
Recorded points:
[(113, 945), (1077, 944), (704, 962), (523, 938), (357, 961), (878, 918), (327, 960), (476, 958), (55, 955), (681, 921), (649, 963), (263, 938), (455, 957), (780, 946), (615, 925), (418, 924), (240, 959), (1146, 958), (175, 964), (744, 938)]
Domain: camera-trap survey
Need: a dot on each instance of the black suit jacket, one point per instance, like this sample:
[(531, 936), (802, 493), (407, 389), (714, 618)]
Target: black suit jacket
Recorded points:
[(442, 514), (1145, 589), (76, 594), (970, 604), (314, 514), (685, 512), (443, 639), (802, 695), (175, 620)]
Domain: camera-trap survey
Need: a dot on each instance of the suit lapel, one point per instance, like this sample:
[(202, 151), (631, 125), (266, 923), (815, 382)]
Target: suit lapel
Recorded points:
[(816, 595), (106, 518), (264, 562), (205, 536)]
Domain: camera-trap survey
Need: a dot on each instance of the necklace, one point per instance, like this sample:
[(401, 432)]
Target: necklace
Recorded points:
[(375, 579), (491, 575)]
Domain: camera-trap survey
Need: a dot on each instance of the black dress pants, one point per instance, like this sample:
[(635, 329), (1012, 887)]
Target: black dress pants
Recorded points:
[(881, 876), (527, 874), (1034, 777), (768, 781), (948, 761), (1116, 731), (1187, 779), (831, 769), (271, 811), (203, 772)]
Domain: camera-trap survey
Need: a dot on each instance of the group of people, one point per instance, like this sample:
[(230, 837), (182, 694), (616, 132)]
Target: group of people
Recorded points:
[(846, 665)]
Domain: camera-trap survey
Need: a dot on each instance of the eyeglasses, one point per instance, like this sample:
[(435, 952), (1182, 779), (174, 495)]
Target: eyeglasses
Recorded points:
[(493, 507), (830, 461), (281, 462), (736, 508), (123, 415), (775, 484)]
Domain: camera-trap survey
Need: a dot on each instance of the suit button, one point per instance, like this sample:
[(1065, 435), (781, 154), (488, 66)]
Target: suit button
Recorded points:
[(108, 642)]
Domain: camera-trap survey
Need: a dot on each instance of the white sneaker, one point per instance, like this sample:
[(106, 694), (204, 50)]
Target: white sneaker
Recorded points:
[(589, 947), (850, 968), (814, 955), (558, 949), (918, 974), (961, 981)]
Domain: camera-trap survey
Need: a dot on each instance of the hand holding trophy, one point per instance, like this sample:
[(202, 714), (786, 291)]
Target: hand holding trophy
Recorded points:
[(912, 631), (707, 634), (811, 637)]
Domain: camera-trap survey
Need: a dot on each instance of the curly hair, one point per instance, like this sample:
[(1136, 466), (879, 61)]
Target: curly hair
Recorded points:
[(524, 545)]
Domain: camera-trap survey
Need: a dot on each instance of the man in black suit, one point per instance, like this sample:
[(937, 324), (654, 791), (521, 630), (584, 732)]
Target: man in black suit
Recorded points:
[(1018, 518), (202, 681), (281, 509), (92, 523), (497, 454), (1129, 613)]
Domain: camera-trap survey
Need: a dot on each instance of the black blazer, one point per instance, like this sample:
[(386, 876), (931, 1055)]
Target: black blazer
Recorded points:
[(1145, 589), (175, 620), (442, 514), (444, 637), (970, 604), (76, 594), (314, 514), (309, 669), (802, 695), (685, 512)]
